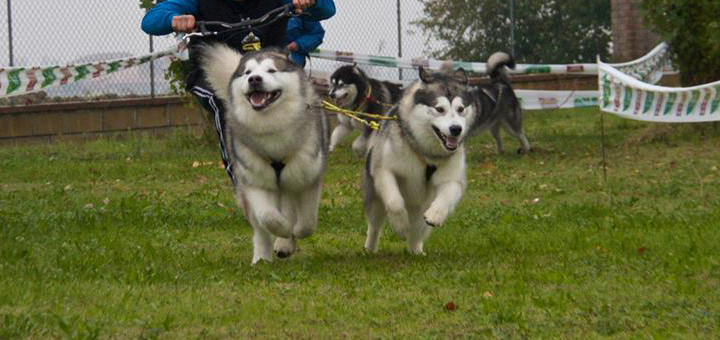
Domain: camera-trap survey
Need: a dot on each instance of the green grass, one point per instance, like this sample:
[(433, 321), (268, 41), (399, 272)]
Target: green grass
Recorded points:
[(124, 238)]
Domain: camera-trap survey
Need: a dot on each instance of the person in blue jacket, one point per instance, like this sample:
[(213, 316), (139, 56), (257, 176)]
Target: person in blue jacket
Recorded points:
[(181, 15), (303, 36)]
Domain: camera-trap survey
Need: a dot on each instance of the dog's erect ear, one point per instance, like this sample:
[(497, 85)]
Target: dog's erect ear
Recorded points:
[(425, 77), (461, 76)]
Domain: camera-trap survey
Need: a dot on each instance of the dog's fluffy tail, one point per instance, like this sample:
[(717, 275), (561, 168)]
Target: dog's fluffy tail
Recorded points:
[(219, 63), (496, 66)]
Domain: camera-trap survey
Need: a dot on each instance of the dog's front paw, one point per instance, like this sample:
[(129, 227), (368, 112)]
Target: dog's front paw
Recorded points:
[(417, 251), (284, 247), (275, 223), (434, 216), (259, 259), (359, 146)]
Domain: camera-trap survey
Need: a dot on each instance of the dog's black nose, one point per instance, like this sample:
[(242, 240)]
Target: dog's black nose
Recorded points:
[(455, 130), (255, 80)]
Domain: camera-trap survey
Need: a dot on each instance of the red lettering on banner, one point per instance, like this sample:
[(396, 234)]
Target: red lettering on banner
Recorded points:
[(98, 70), (32, 79), (66, 75), (658, 106), (706, 100), (683, 99)]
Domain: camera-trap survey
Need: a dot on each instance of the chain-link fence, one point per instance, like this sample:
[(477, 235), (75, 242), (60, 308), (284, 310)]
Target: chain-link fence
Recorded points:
[(60, 32), (41, 32)]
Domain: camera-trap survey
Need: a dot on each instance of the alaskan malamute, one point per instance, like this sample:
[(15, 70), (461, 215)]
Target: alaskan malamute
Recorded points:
[(352, 89), (497, 105), (415, 167), (277, 142)]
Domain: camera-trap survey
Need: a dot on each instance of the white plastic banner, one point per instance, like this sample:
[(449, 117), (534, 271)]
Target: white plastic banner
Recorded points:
[(625, 96)]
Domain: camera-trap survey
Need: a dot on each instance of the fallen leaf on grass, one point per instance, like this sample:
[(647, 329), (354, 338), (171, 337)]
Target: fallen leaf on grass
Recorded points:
[(641, 250), (450, 306), (487, 295), (195, 164)]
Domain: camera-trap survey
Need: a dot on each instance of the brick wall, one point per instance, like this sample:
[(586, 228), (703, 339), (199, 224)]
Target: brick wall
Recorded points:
[(631, 37), (82, 121)]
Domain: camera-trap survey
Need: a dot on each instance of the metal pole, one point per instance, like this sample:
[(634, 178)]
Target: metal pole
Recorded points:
[(399, 35), (602, 146), (152, 71), (512, 28), (10, 46)]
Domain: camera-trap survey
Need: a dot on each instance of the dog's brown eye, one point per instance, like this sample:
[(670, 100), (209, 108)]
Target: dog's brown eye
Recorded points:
[(461, 109), (247, 72), (439, 109), (271, 71)]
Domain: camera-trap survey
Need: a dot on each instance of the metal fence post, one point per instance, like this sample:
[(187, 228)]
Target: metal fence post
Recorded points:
[(399, 35), (152, 70), (512, 29), (10, 45)]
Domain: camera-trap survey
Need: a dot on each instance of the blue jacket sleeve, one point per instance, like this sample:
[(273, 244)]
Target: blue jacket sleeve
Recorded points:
[(322, 10), (158, 20), (312, 37)]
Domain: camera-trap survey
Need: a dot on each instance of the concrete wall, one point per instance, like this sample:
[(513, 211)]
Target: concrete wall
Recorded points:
[(83, 121)]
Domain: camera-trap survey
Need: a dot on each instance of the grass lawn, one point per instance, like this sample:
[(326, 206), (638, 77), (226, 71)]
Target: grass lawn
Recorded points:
[(140, 238)]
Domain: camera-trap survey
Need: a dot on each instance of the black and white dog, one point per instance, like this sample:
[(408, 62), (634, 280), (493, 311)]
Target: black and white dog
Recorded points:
[(415, 167), (277, 141), (352, 89), (497, 105)]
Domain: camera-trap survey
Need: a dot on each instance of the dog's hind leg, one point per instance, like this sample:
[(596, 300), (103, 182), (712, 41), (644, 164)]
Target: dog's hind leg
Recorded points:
[(495, 132), (340, 131), (516, 131), (418, 232), (387, 188), (375, 215)]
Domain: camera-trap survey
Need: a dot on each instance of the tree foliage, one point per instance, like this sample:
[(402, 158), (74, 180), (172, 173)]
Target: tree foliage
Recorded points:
[(545, 31), (692, 29)]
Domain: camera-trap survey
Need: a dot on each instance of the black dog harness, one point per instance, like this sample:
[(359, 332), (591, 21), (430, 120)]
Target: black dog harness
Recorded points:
[(278, 167)]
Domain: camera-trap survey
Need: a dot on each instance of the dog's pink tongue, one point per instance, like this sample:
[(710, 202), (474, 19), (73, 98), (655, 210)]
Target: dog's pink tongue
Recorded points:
[(258, 98), (451, 142)]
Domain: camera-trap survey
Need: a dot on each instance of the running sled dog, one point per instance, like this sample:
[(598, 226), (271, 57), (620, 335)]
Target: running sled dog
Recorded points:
[(277, 140), (415, 166), (352, 89), (497, 104)]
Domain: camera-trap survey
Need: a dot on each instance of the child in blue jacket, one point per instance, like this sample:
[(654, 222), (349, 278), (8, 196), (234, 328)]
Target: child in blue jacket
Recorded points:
[(303, 36)]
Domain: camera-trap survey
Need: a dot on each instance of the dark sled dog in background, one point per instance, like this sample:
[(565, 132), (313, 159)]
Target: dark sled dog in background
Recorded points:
[(352, 89), (277, 139), (497, 105), (415, 167)]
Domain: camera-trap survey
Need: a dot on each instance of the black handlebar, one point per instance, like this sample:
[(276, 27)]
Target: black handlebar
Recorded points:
[(247, 24)]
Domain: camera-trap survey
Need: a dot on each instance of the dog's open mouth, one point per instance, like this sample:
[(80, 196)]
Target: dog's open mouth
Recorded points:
[(261, 99), (341, 99), (449, 142)]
